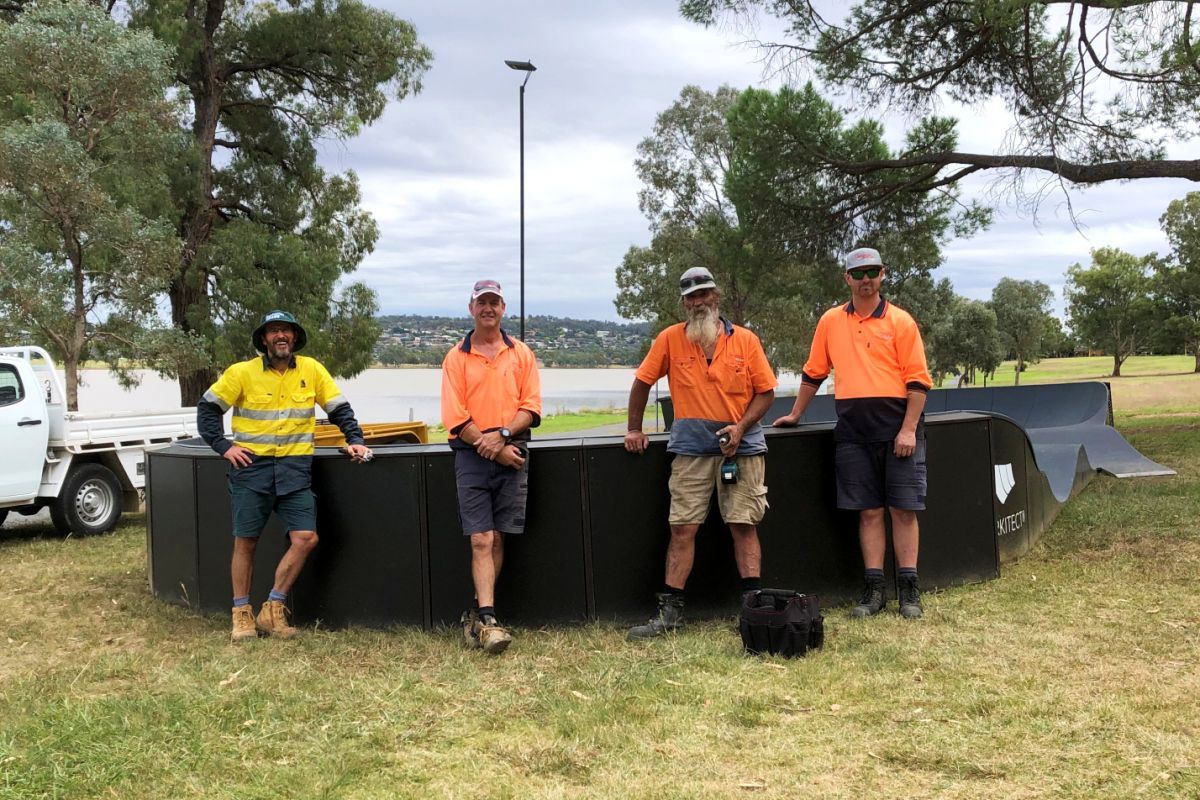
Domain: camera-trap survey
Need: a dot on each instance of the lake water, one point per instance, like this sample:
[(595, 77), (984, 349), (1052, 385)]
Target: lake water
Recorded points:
[(395, 395)]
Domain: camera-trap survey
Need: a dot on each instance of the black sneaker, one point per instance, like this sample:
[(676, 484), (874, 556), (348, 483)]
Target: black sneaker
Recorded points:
[(872, 601), (910, 599)]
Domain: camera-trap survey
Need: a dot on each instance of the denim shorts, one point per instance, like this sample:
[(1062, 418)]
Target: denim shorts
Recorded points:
[(869, 475), (491, 497), (297, 510)]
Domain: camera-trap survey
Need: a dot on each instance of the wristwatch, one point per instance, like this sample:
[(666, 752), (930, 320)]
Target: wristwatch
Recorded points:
[(507, 434)]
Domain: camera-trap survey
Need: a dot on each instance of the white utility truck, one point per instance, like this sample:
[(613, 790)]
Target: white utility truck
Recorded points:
[(88, 468)]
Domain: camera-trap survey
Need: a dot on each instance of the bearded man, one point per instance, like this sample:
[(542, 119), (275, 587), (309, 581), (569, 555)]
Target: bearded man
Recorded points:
[(721, 385)]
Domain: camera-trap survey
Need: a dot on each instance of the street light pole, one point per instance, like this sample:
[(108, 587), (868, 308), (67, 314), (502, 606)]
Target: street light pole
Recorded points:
[(528, 68)]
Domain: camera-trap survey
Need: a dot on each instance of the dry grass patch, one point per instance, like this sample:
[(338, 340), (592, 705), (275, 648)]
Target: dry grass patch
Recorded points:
[(1074, 675)]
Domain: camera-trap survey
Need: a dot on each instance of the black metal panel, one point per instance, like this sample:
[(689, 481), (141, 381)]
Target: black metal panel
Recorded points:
[(171, 527), (958, 540), (809, 545), (628, 503), (1010, 496), (367, 568), (543, 579)]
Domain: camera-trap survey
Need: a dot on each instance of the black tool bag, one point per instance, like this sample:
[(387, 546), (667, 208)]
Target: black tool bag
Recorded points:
[(781, 622)]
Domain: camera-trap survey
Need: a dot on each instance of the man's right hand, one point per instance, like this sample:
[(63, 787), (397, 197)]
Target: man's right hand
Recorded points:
[(511, 456), (490, 445), (786, 421), (636, 441), (238, 456)]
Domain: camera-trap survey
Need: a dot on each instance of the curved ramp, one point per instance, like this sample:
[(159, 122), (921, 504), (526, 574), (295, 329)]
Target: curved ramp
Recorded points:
[(1058, 418)]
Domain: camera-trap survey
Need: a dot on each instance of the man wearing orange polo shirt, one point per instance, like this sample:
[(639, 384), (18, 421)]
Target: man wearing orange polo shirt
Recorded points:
[(880, 379), (491, 397), (721, 385)]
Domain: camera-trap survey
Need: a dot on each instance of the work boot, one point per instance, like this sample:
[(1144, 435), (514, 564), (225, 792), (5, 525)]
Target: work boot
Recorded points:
[(243, 625), (669, 618), (910, 599), (468, 620), (491, 635), (872, 601), (272, 620)]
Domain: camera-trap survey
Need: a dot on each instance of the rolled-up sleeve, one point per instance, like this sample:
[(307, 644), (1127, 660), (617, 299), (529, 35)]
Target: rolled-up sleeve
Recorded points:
[(530, 389), (910, 350), (454, 392), (816, 368), (654, 365)]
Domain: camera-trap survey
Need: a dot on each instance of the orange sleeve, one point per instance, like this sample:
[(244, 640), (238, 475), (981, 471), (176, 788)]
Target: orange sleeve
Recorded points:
[(910, 351), (530, 388), (762, 377), (454, 391), (816, 369), (654, 365)]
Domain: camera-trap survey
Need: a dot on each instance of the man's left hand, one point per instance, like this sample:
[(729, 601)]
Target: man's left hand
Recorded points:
[(730, 448), (359, 453), (490, 444), (906, 444)]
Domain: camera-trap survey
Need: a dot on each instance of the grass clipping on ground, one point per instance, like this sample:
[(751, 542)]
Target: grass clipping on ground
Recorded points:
[(1074, 675)]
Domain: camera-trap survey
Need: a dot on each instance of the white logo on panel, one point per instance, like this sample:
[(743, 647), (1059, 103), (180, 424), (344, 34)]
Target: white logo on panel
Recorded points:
[(1004, 481)]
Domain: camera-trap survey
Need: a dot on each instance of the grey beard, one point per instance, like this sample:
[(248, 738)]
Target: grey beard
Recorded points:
[(703, 328)]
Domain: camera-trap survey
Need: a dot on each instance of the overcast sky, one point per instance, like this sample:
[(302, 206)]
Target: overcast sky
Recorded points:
[(440, 171)]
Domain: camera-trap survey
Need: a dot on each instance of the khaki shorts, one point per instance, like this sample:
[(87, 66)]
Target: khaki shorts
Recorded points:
[(693, 479)]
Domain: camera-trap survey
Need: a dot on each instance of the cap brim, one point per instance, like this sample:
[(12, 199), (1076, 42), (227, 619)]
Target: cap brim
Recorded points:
[(477, 295), (697, 287)]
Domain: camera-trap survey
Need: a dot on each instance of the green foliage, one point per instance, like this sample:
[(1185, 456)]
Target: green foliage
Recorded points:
[(1094, 91), (1177, 281), (84, 125), (965, 341), (1023, 317), (732, 181), (261, 224), (1109, 303)]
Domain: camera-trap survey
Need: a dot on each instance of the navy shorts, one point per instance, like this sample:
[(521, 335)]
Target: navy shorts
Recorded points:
[(297, 510), (491, 497), (870, 476)]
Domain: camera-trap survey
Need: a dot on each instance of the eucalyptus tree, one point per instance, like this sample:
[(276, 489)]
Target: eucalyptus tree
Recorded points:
[(260, 224), (85, 245)]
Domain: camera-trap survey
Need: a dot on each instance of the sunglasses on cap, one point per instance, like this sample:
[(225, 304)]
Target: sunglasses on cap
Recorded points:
[(688, 283), (859, 273), (485, 286)]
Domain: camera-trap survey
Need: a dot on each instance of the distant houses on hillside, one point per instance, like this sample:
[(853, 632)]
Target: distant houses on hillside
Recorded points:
[(557, 341)]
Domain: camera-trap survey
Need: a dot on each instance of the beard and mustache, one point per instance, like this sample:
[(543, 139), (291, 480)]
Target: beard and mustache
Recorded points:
[(703, 326)]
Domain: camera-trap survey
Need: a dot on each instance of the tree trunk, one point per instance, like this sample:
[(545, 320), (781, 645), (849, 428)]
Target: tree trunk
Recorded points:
[(1116, 373), (71, 373), (1197, 369), (188, 293), (1019, 366)]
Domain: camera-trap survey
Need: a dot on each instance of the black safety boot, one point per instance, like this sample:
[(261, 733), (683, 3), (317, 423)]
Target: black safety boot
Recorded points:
[(910, 599), (669, 618), (873, 600)]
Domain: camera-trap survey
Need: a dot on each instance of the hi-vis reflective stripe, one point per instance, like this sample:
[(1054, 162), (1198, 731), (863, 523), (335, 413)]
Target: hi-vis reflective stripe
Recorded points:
[(279, 413), (266, 438), (334, 402), (212, 398)]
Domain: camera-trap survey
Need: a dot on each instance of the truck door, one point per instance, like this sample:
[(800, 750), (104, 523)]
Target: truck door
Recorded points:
[(24, 431)]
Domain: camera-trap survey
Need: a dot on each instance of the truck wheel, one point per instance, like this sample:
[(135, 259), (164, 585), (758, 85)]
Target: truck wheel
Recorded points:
[(3, 514), (89, 503)]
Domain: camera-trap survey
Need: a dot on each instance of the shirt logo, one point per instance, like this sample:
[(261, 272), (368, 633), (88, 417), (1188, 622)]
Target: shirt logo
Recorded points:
[(303, 385)]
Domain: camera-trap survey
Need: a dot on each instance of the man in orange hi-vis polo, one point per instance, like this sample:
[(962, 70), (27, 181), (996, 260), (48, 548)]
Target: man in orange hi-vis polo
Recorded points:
[(880, 379), (491, 397), (721, 385)]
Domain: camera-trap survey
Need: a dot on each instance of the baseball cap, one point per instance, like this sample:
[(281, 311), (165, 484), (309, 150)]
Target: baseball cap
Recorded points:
[(486, 286), (694, 280), (863, 257)]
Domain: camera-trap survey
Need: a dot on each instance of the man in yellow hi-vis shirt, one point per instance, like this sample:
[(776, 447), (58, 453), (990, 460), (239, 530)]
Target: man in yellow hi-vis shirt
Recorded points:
[(270, 457)]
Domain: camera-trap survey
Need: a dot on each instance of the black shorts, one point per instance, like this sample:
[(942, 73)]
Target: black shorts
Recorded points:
[(869, 475), (491, 497)]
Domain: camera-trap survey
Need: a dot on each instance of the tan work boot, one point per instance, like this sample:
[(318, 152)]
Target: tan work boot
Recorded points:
[(272, 620), (243, 625), (469, 621), (491, 635)]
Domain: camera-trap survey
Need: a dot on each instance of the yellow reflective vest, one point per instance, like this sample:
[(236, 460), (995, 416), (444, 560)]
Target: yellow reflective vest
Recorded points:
[(273, 414)]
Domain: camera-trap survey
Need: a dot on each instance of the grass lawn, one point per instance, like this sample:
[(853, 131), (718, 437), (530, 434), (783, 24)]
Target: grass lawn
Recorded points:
[(1073, 675)]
